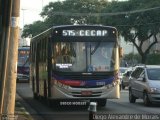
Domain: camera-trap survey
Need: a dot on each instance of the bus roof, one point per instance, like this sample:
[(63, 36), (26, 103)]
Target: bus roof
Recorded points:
[(75, 26), (24, 48), (49, 31)]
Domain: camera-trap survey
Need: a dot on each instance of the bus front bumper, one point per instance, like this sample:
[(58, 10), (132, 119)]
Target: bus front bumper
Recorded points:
[(65, 92)]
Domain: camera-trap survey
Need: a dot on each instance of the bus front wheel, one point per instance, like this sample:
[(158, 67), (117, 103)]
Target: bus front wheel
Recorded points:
[(100, 102)]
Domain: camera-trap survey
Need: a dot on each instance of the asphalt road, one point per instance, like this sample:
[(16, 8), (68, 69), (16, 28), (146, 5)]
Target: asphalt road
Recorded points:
[(112, 110)]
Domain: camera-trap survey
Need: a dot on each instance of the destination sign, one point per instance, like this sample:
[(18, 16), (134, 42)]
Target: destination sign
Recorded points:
[(84, 32)]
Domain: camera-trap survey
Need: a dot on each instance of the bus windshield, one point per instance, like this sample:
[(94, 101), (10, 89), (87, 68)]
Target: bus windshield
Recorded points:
[(23, 57), (83, 56)]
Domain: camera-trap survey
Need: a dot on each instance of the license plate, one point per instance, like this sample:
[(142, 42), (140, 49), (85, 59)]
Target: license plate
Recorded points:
[(86, 93)]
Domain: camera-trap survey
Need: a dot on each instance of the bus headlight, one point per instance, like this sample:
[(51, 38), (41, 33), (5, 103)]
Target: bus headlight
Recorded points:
[(111, 85), (114, 83), (65, 86)]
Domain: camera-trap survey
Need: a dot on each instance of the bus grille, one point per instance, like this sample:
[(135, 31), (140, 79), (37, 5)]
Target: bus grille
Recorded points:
[(78, 94), (86, 86), (86, 96)]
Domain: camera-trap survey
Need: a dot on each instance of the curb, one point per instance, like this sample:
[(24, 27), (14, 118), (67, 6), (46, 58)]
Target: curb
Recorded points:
[(24, 111)]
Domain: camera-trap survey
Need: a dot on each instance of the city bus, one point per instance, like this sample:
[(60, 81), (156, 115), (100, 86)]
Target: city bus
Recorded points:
[(76, 62), (23, 64)]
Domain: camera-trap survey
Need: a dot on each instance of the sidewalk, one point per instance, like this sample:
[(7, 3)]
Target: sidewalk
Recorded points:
[(20, 109), (23, 109)]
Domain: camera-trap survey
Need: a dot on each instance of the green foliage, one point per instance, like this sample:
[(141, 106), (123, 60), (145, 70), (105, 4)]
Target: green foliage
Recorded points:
[(34, 29), (137, 24), (153, 59), (60, 13), (132, 59)]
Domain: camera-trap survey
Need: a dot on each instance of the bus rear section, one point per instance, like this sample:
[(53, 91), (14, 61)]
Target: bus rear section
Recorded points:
[(23, 64), (83, 63)]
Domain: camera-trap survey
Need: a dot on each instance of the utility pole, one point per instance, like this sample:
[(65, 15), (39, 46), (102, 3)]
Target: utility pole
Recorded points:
[(10, 87), (0, 23), (6, 9)]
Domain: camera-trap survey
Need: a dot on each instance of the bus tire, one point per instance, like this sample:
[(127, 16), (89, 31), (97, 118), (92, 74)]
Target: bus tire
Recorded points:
[(102, 102), (53, 103), (35, 96), (33, 84), (45, 89)]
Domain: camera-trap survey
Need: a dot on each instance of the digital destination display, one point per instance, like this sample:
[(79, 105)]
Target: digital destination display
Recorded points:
[(84, 32)]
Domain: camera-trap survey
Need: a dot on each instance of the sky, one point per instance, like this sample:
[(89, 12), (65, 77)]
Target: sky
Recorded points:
[(30, 10)]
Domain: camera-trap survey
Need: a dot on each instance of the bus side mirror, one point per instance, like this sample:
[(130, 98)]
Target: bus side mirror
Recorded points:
[(120, 52)]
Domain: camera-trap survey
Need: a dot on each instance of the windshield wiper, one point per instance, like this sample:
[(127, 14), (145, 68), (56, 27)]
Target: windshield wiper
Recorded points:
[(96, 47)]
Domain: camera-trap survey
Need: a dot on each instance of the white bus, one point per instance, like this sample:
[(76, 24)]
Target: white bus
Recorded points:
[(76, 62)]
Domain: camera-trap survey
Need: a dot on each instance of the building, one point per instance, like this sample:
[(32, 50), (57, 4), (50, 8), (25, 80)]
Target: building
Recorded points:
[(128, 47)]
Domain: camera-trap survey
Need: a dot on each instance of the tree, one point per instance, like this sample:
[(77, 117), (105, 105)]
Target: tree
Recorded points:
[(137, 26), (60, 13), (136, 20), (34, 29)]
